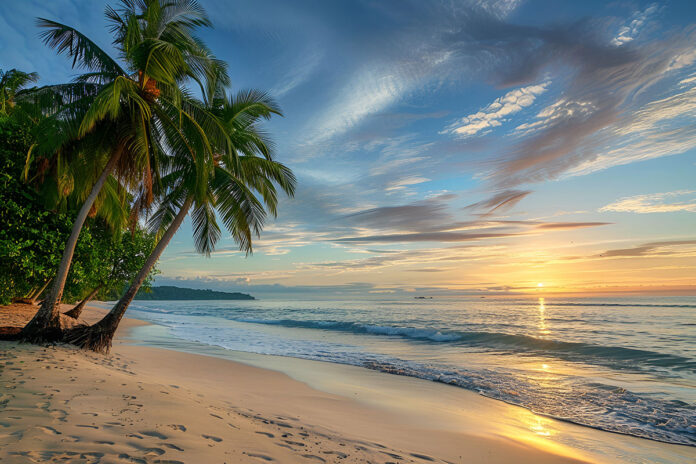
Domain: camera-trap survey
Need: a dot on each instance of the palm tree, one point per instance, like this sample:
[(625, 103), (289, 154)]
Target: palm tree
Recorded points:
[(127, 109), (13, 82), (238, 183)]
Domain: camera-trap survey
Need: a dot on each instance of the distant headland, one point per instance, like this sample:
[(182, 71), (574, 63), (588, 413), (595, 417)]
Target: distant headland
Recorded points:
[(169, 292)]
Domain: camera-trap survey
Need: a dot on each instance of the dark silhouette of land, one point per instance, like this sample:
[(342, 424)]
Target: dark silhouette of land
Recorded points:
[(169, 292)]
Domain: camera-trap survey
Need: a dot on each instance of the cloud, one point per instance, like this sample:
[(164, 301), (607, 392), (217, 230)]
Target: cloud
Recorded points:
[(558, 111), (607, 91), (431, 220), (666, 202), (500, 201), (421, 215), (427, 269), (299, 73), (424, 237), (570, 225), (661, 249), (496, 113), (673, 248), (631, 30), (401, 184)]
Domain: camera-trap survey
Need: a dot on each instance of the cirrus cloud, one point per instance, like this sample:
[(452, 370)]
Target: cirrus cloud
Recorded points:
[(667, 202), (496, 113)]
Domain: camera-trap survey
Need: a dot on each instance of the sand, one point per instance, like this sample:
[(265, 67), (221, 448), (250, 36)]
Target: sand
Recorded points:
[(149, 405)]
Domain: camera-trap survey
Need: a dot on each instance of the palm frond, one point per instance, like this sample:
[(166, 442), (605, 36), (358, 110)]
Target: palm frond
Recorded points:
[(83, 51)]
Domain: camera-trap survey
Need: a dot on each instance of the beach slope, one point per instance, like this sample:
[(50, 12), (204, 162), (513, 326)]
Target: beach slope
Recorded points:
[(148, 405)]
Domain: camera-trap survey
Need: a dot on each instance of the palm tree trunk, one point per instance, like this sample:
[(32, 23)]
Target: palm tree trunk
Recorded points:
[(45, 325), (35, 295), (99, 336), (77, 310), (35, 290)]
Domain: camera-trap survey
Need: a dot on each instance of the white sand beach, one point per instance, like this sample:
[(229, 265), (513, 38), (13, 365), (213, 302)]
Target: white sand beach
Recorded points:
[(143, 404)]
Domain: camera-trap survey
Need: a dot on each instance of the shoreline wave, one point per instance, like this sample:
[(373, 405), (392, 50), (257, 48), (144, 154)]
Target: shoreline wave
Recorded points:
[(493, 340)]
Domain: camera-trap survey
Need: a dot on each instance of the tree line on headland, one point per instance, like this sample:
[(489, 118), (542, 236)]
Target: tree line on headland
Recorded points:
[(99, 173), (170, 293)]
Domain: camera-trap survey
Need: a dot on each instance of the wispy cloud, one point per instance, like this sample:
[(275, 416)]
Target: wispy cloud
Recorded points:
[(401, 184), (299, 73), (570, 225), (431, 221), (631, 30), (671, 248), (667, 202), (609, 93), (500, 201), (493, 115)]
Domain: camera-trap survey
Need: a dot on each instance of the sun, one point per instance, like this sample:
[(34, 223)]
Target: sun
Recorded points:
[(540, 285)]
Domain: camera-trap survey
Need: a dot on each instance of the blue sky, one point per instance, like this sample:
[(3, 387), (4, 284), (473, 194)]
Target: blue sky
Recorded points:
[(450, 147)]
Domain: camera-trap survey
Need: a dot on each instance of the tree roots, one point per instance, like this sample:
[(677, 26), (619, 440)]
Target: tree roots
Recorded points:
[(90, 337)]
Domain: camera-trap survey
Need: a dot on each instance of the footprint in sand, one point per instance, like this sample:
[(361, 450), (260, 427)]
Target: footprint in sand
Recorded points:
[(296, 443), (58, 414), (49, 430), (155, 434), (423, 457), (179, 427), (172, 446), (153, 451), (129, 458), (269, 435), (311, 456), (211, 437), (260, 456)]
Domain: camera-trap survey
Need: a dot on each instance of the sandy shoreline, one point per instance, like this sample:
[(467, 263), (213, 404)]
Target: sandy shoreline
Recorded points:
[(144, 404)]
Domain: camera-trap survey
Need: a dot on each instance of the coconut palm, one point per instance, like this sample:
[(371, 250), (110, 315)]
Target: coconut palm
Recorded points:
[(13, 82), (238, 183), (125, 107)]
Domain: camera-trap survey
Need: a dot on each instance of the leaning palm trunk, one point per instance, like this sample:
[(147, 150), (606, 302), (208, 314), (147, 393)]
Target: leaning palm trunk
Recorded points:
[(77, 310), (98, 337), (35, 295), (45, 325)]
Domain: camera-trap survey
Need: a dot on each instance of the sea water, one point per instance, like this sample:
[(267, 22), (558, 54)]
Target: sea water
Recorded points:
[(625, 365)]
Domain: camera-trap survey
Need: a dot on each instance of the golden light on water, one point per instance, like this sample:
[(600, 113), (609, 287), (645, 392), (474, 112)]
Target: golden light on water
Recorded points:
[(543, 330), (538, 427)]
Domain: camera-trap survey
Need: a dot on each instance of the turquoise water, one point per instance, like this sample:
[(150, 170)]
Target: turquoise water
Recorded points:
[(621, 365)]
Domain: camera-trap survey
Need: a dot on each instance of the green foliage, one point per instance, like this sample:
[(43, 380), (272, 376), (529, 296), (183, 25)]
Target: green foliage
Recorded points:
[(32, 236), (12, 82), (169, 292), (126, 256)]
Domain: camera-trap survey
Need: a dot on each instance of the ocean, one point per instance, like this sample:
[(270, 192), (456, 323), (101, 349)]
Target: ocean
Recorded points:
[(624, 365)]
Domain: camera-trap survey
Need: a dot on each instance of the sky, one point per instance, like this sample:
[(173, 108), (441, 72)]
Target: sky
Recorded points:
[(505, 147)]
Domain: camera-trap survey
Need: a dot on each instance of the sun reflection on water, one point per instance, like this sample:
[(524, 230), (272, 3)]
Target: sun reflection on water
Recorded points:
[(543, 330), (537, 427)]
